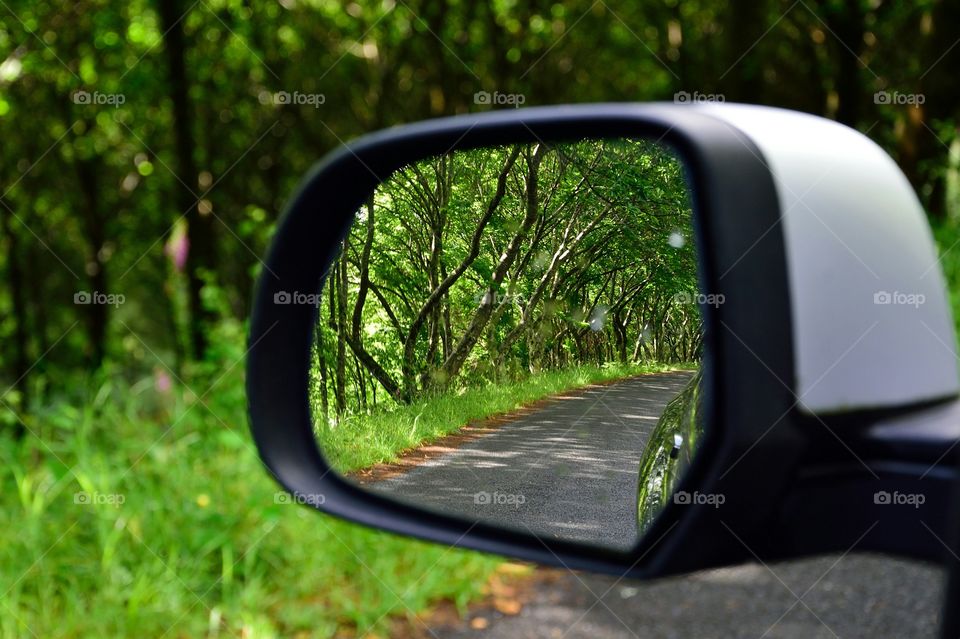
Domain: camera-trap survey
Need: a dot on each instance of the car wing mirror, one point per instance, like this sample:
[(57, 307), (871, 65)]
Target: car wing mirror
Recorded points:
[(639, 339)]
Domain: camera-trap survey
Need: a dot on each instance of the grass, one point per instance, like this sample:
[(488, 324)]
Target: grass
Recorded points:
[(130, 511), (361, 441), (947, 234), (135, 512)]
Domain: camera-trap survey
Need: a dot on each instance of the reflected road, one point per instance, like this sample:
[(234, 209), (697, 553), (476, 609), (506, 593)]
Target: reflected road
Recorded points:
[(568, 470)]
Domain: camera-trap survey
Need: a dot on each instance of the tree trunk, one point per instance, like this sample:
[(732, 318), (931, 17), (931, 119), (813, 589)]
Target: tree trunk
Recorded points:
[(342, 331), (96, 313), (924, 156), (322, 363), (744, 24), (847, 21), (201, 259), (438, 294), (451, 367), (21, 359)]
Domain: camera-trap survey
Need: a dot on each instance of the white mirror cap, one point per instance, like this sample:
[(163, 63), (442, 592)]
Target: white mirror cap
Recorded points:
[(872, 327)]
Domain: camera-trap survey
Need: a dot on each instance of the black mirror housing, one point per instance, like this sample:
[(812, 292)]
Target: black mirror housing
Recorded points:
[(771, 462)]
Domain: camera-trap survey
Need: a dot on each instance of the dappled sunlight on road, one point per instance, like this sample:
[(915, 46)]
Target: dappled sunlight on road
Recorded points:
[(566, 471)]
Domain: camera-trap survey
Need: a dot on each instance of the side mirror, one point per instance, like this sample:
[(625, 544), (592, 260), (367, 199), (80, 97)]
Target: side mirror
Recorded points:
[(783, 257)]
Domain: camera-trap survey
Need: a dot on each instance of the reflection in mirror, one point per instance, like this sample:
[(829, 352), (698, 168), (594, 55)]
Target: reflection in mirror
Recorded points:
[(512, 335)]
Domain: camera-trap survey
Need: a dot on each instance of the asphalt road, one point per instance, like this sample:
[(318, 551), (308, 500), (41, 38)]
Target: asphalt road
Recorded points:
[(570, 470), (567, 471), (828, 597), (574, 464)]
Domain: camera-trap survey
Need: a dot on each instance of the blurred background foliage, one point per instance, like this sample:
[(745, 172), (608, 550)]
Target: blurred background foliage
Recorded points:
[(147, 150), (133, 128)]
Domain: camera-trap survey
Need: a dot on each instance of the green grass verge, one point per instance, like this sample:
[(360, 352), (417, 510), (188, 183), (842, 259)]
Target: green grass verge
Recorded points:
[(360, 441), (203, 544), (947, 235)]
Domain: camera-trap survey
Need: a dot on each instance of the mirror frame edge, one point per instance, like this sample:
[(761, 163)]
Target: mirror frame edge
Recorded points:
[(713, 153)]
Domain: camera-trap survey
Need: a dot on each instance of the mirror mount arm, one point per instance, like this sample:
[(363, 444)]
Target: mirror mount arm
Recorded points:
[(884, 482)]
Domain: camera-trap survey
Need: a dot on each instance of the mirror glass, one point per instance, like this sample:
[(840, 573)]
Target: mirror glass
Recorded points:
[(512, 335)]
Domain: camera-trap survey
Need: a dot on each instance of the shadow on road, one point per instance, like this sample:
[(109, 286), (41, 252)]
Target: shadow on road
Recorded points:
[(827, 597), (567, 471)]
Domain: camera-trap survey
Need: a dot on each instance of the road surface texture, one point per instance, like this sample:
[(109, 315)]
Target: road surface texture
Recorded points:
[(852, 596), (570, 471), (567, 471)]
